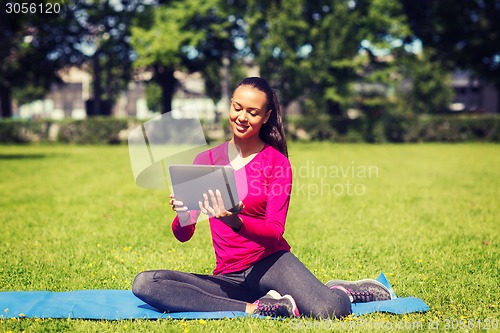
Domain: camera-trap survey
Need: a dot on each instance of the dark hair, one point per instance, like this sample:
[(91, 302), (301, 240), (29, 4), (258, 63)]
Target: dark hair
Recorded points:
[(273, 131)]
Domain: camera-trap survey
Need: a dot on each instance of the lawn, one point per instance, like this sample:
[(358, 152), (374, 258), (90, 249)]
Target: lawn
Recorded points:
[(427, 215)]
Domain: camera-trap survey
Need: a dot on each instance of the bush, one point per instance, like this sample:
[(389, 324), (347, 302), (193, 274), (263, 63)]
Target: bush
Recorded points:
[(391, 128), (378, 133), (404, 128), (88, 131), (95, 130), (450, 128), (317, 128), (22, 131)]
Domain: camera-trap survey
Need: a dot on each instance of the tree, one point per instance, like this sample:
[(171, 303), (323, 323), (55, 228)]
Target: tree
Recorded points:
[(86, 33), (212, 75), (429, 88), (279, 39), (312, 49), (464, 34), (219, 61), (181, 35), (26, 70), (360, 49), (336, 34), (103, 32)]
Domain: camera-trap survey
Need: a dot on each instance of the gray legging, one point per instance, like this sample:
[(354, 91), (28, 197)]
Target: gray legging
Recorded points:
[(174, 291)]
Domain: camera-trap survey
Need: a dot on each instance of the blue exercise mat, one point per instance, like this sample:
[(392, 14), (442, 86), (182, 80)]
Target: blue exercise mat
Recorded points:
[(122, 304)]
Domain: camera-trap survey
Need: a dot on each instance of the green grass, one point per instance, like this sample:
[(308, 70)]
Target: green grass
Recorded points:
[(426, 215)]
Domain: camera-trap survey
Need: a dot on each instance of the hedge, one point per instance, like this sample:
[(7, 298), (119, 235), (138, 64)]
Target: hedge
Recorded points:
[(95, 130), (427, 128), (20, 131), (443, 128)]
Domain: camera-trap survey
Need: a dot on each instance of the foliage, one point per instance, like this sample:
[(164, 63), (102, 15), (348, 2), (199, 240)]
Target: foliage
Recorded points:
[(181, 35), (401, 128), (391, 127), (25, 69), (163, 42), (213, 77), (442, 128), (102, 32), (96, 130), (330, 53), (322, 52), (426, 87), (153, 96), (279, 38), (89, 34), (22, 131), (462, 34)]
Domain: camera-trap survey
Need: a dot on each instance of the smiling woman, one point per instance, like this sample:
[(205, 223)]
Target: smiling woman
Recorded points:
[(254, 265)]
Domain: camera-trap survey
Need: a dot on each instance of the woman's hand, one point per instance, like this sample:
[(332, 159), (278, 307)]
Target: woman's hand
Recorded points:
[(180, 209), (213, 205)]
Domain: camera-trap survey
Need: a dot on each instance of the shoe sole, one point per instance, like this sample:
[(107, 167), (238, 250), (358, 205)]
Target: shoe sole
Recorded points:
[(295, 309), (276, 295), (381, 292)]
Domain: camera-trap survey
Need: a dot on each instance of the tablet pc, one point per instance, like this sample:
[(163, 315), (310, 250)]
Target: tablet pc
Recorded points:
[(189, 182)]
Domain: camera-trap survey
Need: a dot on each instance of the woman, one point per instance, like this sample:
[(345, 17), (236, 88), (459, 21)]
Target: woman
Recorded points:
[(254, 265)]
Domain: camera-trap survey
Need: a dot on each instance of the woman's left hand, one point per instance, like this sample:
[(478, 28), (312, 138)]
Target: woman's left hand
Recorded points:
[(213, 206)]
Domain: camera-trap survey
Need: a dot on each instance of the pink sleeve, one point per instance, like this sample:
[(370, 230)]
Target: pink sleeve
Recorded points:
[(271, 229), (183, 234)]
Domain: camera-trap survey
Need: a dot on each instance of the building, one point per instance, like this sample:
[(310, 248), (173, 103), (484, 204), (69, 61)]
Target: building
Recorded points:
[(473, 94), (68, 100)]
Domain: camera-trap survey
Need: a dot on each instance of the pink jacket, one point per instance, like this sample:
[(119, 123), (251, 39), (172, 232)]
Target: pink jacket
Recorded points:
[(265, 186)]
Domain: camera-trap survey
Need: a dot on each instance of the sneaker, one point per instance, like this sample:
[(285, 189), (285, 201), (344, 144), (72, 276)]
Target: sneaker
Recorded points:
[(362, 291), (275, 305)]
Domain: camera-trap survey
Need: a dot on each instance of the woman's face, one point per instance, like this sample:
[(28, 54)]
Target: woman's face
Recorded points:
[(248, 111)]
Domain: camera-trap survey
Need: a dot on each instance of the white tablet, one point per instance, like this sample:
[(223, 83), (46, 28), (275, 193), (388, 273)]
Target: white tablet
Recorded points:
[(189, 182)]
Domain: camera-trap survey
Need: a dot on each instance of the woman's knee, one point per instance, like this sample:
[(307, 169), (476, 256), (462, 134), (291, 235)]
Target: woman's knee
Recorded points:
[(343, 304), (334, 305), (142, 283)]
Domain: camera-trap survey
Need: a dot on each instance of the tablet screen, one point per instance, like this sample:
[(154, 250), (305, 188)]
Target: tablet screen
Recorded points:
[(189, 182)]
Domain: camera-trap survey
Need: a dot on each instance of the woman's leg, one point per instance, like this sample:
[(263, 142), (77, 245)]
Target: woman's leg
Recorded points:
[(284, 273), (175, 291)]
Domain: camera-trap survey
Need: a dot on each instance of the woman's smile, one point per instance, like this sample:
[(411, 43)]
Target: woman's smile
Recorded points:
[(241, 128)]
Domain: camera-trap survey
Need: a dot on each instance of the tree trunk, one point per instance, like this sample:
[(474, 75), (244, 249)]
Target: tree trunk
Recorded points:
[(167, 81), (96, 85), (5, 102), (334, 109), (284, 114), (226, 77)]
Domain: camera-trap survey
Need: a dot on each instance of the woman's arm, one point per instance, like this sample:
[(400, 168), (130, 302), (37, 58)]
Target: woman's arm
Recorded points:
[(182, 233), (183, 225)]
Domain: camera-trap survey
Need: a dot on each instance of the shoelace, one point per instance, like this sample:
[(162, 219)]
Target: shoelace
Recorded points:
[(267, 310), (363, 296)]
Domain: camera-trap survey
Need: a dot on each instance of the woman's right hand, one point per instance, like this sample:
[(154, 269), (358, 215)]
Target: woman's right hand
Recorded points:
[(180, 209)]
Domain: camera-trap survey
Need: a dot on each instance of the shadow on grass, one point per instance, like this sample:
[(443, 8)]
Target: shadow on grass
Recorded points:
[(28, 156)]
